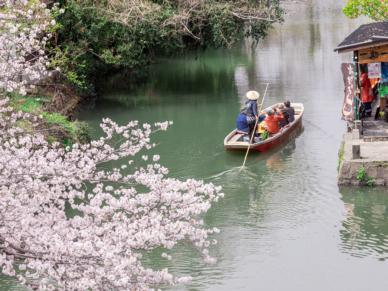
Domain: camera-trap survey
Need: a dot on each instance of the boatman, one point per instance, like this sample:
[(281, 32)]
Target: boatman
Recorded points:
[(366, 93), (252, 114), (273, 121)]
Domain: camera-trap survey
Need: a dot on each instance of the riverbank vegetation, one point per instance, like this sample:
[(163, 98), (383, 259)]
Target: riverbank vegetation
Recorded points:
[(87, 40), (104, 36), (54, 126)]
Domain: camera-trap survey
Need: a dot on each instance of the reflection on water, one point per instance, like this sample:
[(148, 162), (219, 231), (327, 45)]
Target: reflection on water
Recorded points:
[(277, 161), (365, 222), (275, 164)]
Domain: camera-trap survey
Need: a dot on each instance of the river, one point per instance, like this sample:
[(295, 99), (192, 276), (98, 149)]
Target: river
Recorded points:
[(285, 224)]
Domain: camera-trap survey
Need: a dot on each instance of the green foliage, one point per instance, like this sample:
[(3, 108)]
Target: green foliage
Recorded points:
[(361, 173), (67, 144), (80, 131), (361, 176), (374, 9), (98, 44), (56, 118), (31, 105), (83, 132), (20, 102), (370, 181), (341, 156)]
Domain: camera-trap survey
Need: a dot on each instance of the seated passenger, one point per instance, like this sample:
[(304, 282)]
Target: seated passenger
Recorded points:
[(272, 120), (283, 123), (290, 111), (242, 124)]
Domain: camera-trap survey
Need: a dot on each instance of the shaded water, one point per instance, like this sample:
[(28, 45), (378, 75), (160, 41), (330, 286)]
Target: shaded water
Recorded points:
[(285, 225)]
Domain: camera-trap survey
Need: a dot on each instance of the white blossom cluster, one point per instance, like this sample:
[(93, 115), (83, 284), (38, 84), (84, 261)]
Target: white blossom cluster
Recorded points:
[(122, 214), (26, 27)]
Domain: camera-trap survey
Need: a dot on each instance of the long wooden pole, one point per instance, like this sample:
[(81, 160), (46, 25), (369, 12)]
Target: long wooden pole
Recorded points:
[(253, 134)]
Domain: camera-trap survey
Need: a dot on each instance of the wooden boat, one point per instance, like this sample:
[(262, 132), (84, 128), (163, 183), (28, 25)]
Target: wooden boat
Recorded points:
[(234, 141)]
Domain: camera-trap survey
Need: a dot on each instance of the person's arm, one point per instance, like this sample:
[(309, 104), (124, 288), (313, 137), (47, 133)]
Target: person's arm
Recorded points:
[(280, 117)]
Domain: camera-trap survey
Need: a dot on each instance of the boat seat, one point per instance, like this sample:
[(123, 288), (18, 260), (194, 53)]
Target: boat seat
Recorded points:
[(236, 138)]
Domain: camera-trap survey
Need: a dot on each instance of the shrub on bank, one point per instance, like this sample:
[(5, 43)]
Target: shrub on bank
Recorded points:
[(54, 126)]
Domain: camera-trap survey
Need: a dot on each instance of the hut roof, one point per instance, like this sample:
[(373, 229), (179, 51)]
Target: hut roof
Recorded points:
[(367, 34)]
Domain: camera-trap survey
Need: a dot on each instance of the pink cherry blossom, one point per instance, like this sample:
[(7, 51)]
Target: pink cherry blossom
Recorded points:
[(123, 213), (24, 60)]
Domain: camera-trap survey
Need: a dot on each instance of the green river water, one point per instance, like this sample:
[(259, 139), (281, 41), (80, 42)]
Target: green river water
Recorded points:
[(285, 224)]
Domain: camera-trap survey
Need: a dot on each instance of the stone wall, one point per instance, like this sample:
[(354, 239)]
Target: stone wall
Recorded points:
[(377, 170), (374, 160)]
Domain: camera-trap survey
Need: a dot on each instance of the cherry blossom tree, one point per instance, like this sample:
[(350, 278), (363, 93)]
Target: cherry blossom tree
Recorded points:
[(123, 213), (26, 55)]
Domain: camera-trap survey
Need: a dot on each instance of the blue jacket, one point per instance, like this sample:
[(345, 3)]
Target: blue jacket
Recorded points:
[(242, 121), (251, 107)]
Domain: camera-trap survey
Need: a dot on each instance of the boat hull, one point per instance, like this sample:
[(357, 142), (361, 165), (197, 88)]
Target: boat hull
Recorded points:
[(282, 138), (287, 137)]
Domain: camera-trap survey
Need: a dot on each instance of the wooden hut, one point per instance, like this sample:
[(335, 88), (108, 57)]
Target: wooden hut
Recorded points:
[(369, 44)]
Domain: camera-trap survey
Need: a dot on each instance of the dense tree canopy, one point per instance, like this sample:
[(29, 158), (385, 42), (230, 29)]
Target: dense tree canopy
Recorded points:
[(374, 9), (103, 35)]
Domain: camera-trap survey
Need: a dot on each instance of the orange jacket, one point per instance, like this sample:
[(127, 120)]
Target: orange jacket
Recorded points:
[(272, 122), (366, 93)]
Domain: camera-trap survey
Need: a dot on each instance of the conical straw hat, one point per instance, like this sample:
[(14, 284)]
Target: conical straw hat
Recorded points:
[(253, 95)]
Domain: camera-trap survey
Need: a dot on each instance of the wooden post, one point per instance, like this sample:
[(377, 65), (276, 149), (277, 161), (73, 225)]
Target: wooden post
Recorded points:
[(356, 152)]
